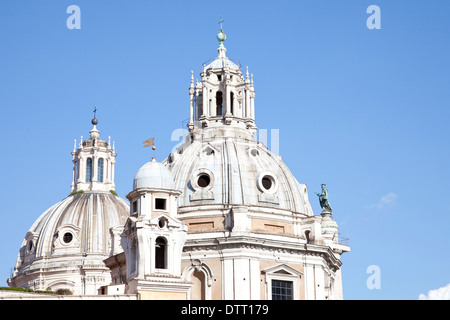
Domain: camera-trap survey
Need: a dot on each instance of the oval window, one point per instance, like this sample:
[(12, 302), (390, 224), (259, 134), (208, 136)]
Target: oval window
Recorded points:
[(67, 238), (161, 223), (267, 182)]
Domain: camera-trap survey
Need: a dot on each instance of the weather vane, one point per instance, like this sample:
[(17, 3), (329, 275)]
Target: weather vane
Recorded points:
[(148, 143)]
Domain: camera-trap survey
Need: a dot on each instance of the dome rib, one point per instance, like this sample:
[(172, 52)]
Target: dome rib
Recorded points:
[(93, 213), (236, 172)]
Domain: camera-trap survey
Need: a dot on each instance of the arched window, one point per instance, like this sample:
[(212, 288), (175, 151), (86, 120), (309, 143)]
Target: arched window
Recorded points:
[(89, 170), (232, 103), (160, 253), (100, 170), (308, 236), (198, 287), (219, 103)]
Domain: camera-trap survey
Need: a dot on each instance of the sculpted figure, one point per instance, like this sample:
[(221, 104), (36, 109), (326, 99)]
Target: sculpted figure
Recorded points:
[(323, 199)]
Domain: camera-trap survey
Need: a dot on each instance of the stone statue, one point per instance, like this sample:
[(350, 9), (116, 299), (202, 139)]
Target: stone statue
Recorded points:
[(323, 198)]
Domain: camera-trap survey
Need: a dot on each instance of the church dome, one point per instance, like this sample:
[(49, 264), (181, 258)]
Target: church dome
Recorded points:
[(153, 174), (80, 221), (66, 245), (236, 171), (72, 234)]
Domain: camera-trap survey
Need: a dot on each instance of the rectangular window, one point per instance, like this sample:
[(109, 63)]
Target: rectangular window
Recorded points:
[(100, 170), (134, 206), (282, 290), (160, 204), (89, 170)]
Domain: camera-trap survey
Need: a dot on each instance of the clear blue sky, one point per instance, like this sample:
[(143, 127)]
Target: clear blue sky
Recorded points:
[(364, 111)]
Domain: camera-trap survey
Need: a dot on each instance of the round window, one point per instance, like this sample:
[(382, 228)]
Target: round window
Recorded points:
[(67, 238), (254, 152), (267, 182), (203, 180)]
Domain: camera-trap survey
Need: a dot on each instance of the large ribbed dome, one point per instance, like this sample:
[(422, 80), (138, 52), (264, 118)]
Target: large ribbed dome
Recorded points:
[(92, 214), (72, 234), (236, 171)]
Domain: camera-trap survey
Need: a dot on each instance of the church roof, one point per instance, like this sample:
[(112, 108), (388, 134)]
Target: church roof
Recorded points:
[(153, 175), (77, 225), (222, 63), (237, 172)]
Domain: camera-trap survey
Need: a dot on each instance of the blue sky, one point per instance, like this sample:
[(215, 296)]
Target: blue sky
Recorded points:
[(364, 111)]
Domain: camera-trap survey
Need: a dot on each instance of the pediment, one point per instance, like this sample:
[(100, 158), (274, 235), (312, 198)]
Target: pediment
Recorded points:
[(165, 221), (209, 150), (282, 269)]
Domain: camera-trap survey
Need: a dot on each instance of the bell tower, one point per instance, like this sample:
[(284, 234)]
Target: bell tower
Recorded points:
[(153, 236), (224, 97)]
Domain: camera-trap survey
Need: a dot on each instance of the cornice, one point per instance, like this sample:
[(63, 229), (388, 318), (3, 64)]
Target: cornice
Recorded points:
[(271, 245)]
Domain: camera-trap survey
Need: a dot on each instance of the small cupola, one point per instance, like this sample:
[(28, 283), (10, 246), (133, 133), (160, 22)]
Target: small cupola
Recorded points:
[(153, 191)]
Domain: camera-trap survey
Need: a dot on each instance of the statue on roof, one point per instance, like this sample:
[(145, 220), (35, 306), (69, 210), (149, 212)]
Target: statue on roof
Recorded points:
[(323, 199)]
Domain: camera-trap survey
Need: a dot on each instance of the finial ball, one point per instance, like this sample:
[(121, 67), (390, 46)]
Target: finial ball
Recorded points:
[(221, 36), (94, 121), (154, 148)]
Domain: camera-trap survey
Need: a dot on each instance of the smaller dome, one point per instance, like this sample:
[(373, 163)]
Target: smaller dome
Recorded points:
[(153, 175)]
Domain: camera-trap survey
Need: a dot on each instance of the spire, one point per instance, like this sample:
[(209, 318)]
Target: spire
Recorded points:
[(95, 121), (94, 133), (221, 37)]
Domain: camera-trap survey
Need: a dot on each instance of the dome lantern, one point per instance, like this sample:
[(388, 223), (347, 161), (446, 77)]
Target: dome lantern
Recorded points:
[(224, 97), (93, 163)]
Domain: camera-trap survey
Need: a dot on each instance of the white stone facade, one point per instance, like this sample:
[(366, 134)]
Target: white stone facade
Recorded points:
[(221, 218), (250, 229)]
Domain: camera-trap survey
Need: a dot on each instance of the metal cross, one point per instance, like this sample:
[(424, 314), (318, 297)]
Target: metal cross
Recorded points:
[(95, 111), (220, 22)]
